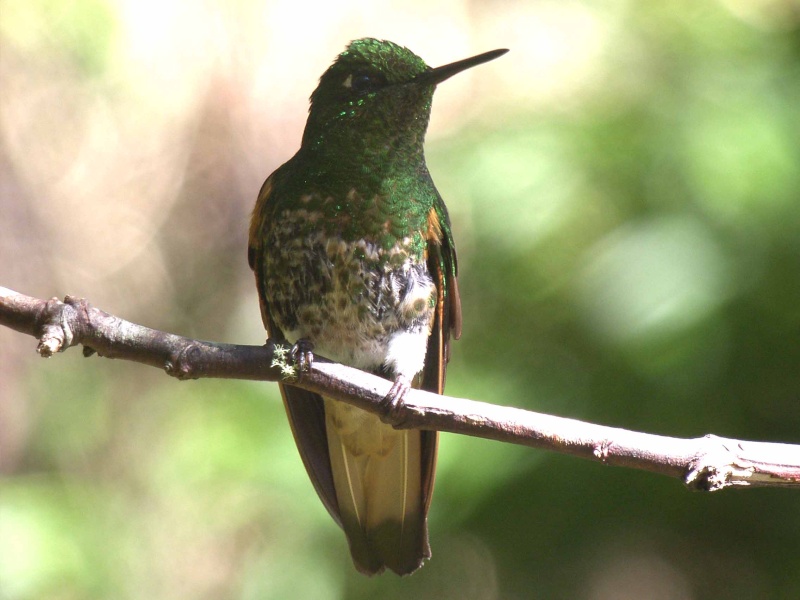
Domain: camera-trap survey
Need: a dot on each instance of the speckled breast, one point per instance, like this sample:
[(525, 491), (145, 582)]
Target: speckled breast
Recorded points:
[(349, 297)]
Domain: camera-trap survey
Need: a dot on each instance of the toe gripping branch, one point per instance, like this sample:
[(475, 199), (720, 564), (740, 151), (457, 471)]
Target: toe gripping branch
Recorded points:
[(393, 402), (302, 354)]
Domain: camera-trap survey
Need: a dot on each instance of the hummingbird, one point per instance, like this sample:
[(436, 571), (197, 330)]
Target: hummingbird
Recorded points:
[(353, 255)]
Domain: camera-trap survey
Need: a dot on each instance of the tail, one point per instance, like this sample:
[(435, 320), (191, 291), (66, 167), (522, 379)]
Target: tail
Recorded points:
[(382, 478)]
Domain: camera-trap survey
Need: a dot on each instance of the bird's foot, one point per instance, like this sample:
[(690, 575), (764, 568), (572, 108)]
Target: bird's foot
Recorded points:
[(393, 401), (302, 354)]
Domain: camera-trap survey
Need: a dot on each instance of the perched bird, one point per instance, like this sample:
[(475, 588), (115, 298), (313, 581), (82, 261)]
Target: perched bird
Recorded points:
[(353, 256)]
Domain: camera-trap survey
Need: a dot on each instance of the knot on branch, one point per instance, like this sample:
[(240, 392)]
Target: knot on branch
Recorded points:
[(718, 467), (58, 323), (602, 450), (181, 363)]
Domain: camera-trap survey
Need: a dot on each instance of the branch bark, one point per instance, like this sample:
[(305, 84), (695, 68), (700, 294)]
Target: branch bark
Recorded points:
[(708, 463)]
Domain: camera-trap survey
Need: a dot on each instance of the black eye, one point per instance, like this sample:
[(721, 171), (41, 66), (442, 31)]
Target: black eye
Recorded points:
[(361, 82)]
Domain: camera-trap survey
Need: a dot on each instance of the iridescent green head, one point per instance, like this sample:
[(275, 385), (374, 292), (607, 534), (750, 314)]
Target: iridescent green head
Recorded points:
[(376, 94)]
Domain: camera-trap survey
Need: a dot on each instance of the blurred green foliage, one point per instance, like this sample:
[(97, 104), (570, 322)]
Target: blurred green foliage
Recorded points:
[(629, 254)]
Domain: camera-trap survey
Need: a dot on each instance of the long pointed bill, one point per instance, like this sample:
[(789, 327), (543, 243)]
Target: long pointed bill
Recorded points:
[(439, 74)]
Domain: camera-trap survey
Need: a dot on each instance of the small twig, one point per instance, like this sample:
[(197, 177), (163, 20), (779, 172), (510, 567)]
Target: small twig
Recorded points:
[(708, 463)]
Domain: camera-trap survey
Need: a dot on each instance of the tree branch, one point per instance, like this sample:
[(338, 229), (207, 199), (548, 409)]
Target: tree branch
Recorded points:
[(708, 463)]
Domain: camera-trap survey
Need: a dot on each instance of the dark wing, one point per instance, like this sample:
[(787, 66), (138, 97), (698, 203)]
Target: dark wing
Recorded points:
[(305, 410), (447, 319)]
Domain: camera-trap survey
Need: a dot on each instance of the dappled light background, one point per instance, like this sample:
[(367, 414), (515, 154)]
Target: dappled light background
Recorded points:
[(624, 187)]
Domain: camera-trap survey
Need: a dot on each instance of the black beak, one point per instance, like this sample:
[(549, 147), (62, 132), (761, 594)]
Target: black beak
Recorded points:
[(439, 74)]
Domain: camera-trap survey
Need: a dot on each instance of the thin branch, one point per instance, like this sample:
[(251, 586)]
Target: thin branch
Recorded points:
[(707, 463)]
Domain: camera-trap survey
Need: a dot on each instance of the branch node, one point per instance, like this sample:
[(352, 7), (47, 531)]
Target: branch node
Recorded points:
[(601, 450), (56, 329), (718, 467), (181, 363)]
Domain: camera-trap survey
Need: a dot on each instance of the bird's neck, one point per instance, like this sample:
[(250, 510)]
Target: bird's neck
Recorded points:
[(357, 152)]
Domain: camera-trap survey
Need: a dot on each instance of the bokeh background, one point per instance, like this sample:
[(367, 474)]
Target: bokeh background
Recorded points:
[(624, 187)]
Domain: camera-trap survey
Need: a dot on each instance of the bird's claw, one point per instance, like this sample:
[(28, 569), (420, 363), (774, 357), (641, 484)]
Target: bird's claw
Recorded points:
[(302, 354), (393, 401)]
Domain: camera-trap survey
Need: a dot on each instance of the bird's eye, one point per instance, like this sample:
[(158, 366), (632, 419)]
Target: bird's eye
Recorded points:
[(364, 82)]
